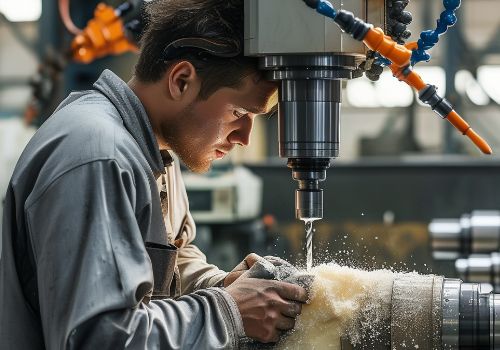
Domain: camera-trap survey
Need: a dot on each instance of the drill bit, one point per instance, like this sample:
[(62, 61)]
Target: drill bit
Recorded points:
[(309, 241)]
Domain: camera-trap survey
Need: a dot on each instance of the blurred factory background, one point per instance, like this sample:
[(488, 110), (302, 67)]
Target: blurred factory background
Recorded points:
[(400, 165)]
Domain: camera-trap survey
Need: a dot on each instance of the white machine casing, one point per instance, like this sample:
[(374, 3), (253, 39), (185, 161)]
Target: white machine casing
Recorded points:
[(232, 196)]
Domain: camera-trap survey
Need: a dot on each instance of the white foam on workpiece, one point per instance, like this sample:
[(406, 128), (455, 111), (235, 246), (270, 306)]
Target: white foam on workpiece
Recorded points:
[(344, 302)]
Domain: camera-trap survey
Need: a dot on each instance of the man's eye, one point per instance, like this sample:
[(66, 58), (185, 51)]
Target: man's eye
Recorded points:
[(238, 114)]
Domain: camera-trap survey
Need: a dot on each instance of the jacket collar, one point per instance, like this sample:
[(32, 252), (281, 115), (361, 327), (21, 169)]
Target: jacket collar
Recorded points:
[(135, 119)]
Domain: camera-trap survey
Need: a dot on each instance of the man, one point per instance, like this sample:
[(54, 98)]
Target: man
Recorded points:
[(97, 236)]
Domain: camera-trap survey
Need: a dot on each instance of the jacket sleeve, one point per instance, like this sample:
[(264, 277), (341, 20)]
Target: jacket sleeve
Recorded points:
[(93, 272), (194, 270)]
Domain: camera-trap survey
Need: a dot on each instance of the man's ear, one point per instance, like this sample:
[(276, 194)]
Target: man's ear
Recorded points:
[(183, 80)]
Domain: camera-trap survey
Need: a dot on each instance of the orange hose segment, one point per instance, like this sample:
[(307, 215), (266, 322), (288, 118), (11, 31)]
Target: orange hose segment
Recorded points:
[(373, 38), (466, 130), (479, 142), (458, 122), (412, 45), (376, 40), (413, 78)]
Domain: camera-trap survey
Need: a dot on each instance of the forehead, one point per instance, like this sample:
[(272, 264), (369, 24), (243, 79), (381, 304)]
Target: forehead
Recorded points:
[(255, 95)]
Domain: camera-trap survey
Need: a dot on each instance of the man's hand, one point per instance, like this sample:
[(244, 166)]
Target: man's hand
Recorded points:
[(241, 268), (282, 265), (267, 307)]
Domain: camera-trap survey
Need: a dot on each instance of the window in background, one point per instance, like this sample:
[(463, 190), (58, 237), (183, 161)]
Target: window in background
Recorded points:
[(393, 93), (467, 85), (386, 92), (488, 77), (21, 10)]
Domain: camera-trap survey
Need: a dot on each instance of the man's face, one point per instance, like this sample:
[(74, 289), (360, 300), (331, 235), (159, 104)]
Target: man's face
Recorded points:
[(209, 129)]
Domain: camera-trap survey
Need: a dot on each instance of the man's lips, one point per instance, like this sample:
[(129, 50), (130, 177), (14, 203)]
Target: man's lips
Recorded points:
[(222, 151), (219, 154)]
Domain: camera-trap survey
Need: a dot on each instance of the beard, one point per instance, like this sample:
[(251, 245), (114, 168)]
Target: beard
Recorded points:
[(193, 163), (187, 141)]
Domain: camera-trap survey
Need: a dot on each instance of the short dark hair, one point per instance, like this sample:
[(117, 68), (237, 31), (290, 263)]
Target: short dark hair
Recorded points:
[(170, 20)]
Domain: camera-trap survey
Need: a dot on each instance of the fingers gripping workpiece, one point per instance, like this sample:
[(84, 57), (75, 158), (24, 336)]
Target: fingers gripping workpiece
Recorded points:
[(400, 57), (274, 268)]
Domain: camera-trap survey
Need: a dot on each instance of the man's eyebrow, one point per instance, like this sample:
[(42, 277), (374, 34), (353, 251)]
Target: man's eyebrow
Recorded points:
[(269, 106), (255, 110)]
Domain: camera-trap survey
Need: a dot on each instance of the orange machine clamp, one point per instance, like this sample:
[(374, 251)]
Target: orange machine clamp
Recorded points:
[(104, 35)]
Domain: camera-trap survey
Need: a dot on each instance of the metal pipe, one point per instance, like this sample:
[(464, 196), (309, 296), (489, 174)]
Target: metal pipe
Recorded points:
[(477, 233), (480, 268)]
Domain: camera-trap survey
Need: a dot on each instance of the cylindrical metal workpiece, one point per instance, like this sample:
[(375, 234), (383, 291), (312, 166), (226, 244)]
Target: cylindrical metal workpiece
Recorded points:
[(474, 320), (494, 304), (451, 311), (416, 316), (431, 312)]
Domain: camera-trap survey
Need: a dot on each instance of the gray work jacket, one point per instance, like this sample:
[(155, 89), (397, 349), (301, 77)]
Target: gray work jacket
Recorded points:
[(83, 231)]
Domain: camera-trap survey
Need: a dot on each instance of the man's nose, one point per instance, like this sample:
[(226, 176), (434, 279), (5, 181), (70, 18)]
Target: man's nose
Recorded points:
[(241, 135)]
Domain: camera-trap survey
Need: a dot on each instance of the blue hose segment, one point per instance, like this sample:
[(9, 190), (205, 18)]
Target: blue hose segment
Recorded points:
[(451, 4), (326, 9), (382, 61), (429, 38)]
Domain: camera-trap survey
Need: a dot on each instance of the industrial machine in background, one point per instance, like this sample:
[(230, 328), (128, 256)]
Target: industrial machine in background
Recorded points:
[(474, 233), (112, 31), (473, 241), (224, 196)]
